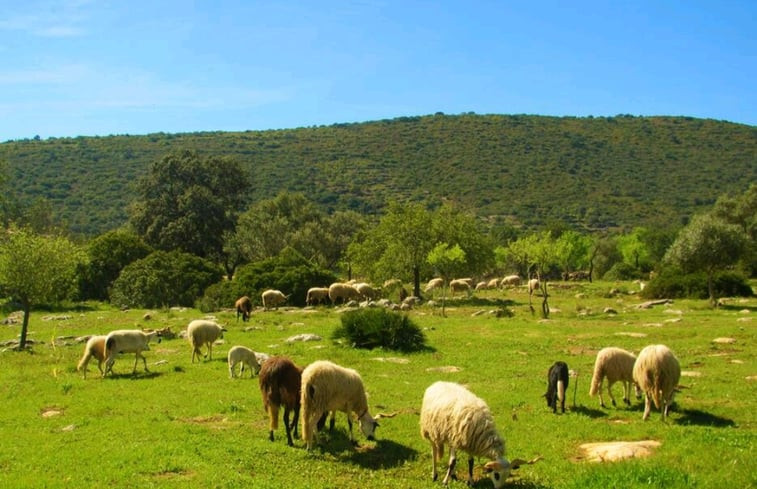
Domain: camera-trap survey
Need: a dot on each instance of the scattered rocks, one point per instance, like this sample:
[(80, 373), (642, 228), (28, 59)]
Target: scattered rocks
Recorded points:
[(724, 341), (449, 369), (392, 360), (303, 337)]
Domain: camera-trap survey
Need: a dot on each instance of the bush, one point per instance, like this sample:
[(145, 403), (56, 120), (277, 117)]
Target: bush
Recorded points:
[(164, 279), (672, 283), (375, 327), (219, 295), (622, 271)]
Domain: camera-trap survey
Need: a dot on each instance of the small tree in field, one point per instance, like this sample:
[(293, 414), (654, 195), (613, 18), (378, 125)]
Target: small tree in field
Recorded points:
[(36, 269), (446, 260)]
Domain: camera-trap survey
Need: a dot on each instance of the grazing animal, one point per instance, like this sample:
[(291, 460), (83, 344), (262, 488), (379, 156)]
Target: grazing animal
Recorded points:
[(244, 308), (241, 355), (343, 291), (366, 291), (452, 415), (273, 298), (459, 285), (127, 341), (657, 373), (316, 295), (326, 387), (510, 281), (533, 286), (203, 332), (616, 365), (557, 384), (434, 283), (95, 347), (280, 382)]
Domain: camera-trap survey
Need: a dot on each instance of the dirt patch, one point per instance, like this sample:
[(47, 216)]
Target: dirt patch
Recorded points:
[(632, 335), (392, 360), (690, 373), (617, 450), (724, 341), (448, 369), (51, 412)]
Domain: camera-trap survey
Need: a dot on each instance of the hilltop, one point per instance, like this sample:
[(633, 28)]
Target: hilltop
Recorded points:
[(523, 170)]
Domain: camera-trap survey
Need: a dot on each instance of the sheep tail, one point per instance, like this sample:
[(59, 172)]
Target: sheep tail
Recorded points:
[(85, 359), (657, 391), (596, 381)]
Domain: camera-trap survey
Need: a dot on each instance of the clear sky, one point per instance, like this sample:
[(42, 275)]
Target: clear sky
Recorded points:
[(102, 67)]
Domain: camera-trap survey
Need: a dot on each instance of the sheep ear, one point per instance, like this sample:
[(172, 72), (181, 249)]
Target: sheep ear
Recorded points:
[(515, 464), (492, 466)]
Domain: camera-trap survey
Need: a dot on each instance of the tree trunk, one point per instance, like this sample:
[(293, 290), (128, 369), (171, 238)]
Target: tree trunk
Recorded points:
[(544, 303), (711, 289), (25, 306), (417, 281)]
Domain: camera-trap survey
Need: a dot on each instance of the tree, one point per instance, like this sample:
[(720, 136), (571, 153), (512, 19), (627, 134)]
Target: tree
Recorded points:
[(446, 260), (454, 227), (574, 252), (542, 255), (707, 244), (633, 248), (187, 202), (37, 269), (742, 211)]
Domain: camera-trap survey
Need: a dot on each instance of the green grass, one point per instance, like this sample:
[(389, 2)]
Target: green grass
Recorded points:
[(185, 425)]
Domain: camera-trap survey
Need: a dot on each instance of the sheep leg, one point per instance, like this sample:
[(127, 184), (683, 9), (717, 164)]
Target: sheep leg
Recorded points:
[(435, 456), (609, 391), (349, 423), (647, 407), (470, 471), (209, 356), (231, 370), (144, 361), (295, 420), (273, 419), (450, 467), (288, 427), (627, 393)]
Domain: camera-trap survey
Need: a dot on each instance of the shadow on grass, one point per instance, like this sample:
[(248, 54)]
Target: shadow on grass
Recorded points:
[(701, 418), (587, 411), (381, 454), (136, 376)]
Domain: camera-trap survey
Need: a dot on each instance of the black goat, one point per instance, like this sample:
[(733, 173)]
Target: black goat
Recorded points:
[(557, 379)]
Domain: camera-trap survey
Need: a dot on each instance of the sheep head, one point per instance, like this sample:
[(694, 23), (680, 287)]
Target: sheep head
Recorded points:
[(499, 469)]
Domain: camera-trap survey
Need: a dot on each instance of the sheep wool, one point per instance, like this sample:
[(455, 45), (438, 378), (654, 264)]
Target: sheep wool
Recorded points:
[(616, 365), (203, 332), (657, 373)]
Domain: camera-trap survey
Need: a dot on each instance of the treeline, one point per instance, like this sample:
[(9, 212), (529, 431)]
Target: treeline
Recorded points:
[(512, 171)]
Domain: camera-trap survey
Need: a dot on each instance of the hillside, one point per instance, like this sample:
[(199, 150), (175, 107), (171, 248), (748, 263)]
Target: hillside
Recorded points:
[(524, 170)]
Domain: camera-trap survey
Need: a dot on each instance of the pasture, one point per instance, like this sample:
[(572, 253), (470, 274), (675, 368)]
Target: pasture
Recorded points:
[(187, 425)]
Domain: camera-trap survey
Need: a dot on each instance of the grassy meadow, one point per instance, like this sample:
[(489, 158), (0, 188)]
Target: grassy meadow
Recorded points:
[(187, 425)]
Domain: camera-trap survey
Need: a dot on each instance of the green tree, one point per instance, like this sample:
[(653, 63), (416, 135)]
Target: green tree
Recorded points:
[(574, 251), (37, 269), (452, 226), (186, 202), (707, 244), (108, 254), (446, 260), (543, 254), (633, 247), (742, 211)]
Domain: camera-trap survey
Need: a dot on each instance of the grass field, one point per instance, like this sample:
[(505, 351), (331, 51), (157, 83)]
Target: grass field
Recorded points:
[(185, 425)]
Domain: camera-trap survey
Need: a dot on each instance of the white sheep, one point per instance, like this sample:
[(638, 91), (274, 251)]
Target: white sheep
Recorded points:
[(326, 387), (127, 341), (616, 365), (343, 291), (510, 281), (492, 283), (273, 298), (367, 291), (244, 356), (95, 347), (533, 286), (452, 415), (203, 332), (434, 283), (483, 285), (316, 295), (459, 285), (657, 373)]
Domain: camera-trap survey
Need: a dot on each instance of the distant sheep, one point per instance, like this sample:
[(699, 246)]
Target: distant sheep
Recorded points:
[(244, 308), (452, 415), (367, 291), (657, 373), (326, 387), (203, 332), (241, 355), (273, 298), (95, 347), (459, 285), (280, 382), (343, 292), (127, 341), (316, 295), (483, 285), (510, 281), (533, 286), (616, 365), (434, 283), (557, 384)]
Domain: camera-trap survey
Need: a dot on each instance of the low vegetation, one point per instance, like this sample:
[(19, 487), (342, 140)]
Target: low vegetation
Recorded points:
[(191, 426)]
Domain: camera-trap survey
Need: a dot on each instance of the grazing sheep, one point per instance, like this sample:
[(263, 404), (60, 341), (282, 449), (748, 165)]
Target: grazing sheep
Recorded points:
[(316, 295), (492, 283), (452, 415), (615, 364), (366, 290), (273, 298), (127, 341), (657, 373), (244, 308), (280, 381), (343, 291), (391, 283), (95, 347), (557, 384), (483, 285), (459, 285), (533, 286), (434, 283), (203, 332), (510, 281), (244, 356), (326, 387)]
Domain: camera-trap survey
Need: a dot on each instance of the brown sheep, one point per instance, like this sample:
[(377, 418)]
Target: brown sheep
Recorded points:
[(244, 308), (280, 381)]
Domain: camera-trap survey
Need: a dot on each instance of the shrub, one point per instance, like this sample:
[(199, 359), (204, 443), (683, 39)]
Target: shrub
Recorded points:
[(672, 283), (219, 295), (375, 327), (622, 271)]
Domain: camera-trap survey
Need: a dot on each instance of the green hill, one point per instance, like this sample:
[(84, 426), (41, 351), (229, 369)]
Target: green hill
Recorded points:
[(520, 169)]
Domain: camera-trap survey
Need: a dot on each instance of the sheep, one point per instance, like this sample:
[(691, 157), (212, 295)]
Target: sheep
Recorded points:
[(95, 347), (326, 387), (492, 283), (615, 364), (343, 291), (273, 298), (657, 373), (533, 286), (459, 285), (451, 414), (127, 341), (366, 290), (557, 384), (280, 381), (203, 332), (244, 308), (510, 281), (434, 283), (316, 295), (483, 285), (244, 356)]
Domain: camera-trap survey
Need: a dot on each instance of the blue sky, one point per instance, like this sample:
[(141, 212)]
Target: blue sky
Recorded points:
[(86, 68)]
